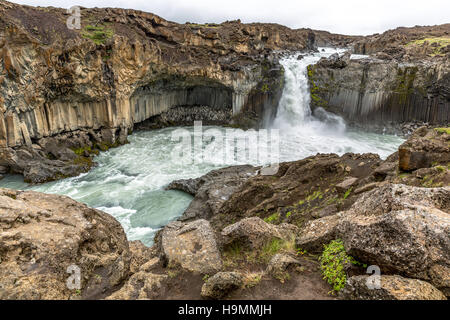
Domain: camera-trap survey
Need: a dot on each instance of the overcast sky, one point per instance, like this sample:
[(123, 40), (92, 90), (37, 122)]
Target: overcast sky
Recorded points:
[(339, 16)]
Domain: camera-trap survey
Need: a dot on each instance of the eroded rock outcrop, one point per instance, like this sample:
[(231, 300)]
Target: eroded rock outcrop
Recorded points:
[(402, 229), (43, 235), (211, 190), (425, 148), (253, 233)]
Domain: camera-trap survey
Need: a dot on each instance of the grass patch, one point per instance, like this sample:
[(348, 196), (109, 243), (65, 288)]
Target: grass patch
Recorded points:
[(275, 246), (347, 193), (443, 130), (272, 218), (438, 44), (332, 264), (98, 34)]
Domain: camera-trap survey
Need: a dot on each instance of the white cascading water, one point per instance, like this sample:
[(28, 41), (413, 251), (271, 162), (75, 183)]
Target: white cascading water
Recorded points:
[(129, 181), (294, 107)]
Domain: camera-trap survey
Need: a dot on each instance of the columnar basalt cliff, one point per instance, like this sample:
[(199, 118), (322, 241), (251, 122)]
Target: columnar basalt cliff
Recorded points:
[(405, 79), (121, 68)]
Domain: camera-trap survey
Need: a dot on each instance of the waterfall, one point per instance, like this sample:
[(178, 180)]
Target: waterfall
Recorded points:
[(294, 110)]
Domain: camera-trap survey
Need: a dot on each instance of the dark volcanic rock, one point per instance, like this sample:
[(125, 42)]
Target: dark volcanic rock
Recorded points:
[(212, 190), (221, 284)]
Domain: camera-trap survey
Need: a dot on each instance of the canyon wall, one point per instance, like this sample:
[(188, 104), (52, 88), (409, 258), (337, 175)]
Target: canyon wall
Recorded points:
[(405, 79), (122, 67), (372, 92)]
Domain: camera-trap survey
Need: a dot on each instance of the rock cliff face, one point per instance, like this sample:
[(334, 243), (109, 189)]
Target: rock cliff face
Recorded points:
[(123, 67), (406, 79)]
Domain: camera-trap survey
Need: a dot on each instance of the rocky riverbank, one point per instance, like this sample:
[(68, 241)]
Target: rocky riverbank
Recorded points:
[(246, 235)]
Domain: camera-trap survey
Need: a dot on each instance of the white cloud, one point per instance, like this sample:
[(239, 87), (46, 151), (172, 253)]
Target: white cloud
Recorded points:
[(346, 17)]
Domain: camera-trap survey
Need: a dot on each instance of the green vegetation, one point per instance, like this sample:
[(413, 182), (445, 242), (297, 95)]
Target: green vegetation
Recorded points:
[(347, 193), (316, 194), (405, 83), (98, 34), (438, 43), (332, 263), (272, 218), (81, 151), (275, 246), (443, 130), (314, 89)]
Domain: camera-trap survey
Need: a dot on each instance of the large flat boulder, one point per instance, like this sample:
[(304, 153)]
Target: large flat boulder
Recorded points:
[(43, 237), (191, 245)]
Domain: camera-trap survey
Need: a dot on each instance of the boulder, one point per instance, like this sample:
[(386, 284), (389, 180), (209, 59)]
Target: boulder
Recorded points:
[(402, 229), (346, 184), (46, 239), (391, 288), (424, 149), (221, 284), (279, 264), (191, 245), (254, 233), (318, 232)]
